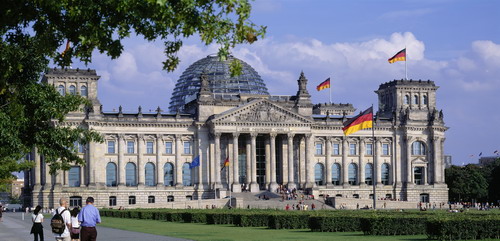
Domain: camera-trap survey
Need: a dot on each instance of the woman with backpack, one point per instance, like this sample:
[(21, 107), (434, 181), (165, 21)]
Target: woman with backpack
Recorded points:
[(37, 218), (75, 225)]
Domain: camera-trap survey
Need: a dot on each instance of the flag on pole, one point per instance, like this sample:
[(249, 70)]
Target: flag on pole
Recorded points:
[(195, 162), (226, 164), (324, 85), (400, 56), (495, 152), (66, 49), (362, 121), (480, 154)]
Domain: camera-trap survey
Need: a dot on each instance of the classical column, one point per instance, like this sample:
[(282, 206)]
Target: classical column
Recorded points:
[(159, 173), (376, 162), (309, 161), (38, 171), (409, 178), (345, 170), (91, 164), (440, 177), (397, 160), (140, 160), (273, 185), (328, 165), (268, 162), (361, 166), (120, 169), (284, 160), (217, 161), (291, 177), (254, 187), (48, 177), (436, 143), (236, 177), (248, 163), (178, 166)]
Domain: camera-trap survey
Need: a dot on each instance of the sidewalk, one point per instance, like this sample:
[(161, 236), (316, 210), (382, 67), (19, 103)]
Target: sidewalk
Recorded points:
[(13, 228)]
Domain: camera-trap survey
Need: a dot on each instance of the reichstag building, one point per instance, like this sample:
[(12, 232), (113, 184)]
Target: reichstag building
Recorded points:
[(269, 140)]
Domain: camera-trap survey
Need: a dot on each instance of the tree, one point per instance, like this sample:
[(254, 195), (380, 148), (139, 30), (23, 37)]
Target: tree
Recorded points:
[(32, 33), (466, 183)]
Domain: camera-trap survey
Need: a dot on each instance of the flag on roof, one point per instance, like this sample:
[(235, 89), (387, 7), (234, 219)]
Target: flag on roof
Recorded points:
[(400, 56), (362, 121), (195, 162), (324, 85)]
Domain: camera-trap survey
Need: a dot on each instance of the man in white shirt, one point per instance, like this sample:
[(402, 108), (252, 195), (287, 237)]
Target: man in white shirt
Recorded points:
[(63, 210)]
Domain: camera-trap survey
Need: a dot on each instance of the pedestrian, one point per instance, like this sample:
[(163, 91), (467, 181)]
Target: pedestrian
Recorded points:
[(89, 217), (62, 213), (37, 228), (75, 225), (1, 211)]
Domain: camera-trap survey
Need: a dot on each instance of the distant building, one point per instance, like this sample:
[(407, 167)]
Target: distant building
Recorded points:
[(447, 161), (485, 160), (269, 140), (16, 188)]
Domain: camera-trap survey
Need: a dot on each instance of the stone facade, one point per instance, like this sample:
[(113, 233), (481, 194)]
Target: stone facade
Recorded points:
[(268, 140)]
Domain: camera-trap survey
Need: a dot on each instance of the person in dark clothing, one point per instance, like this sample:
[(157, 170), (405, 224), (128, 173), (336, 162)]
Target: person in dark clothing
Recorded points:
[(37, 218)]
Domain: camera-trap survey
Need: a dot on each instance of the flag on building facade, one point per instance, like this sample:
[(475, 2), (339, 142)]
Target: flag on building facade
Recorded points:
[(362, 121), (226, 164), (400, 56), (324, 85), (195, 162)]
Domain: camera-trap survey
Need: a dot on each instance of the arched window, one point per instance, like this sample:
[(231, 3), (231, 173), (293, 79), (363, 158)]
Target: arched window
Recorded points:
[(168, 170), (407, 99), (61, 90), (72, 90), (186, 175), (111, 175), (385, 174), (425, 101), (418, 148), (369, 174), (83, 91), (415, 99), (149, 173), (319, 174), (353, 174), (130, 174), (336, 174), (74, 177)]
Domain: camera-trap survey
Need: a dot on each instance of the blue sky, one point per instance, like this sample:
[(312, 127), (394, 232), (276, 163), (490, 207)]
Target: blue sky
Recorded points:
[(454, 43)]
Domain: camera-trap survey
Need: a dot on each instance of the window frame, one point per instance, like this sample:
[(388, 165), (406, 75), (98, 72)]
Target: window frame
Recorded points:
[(132, 200), (169, 150), (112, 200), (369, 151), (386, 149), (111, 147), (353, 149), (336, 149), (188, 147), (150, 147), (319, 148), (130, 149)]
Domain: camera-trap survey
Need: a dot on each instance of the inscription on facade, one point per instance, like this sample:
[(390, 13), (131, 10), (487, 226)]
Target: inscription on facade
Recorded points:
[(266, 130)]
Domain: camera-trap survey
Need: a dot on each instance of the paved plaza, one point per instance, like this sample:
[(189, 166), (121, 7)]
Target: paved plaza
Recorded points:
[(13, 228)]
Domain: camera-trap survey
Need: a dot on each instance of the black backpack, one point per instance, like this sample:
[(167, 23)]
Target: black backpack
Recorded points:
[(57, 223)]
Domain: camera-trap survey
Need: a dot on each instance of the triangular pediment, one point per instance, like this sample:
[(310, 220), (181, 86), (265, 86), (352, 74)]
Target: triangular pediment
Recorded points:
[(259, 111)]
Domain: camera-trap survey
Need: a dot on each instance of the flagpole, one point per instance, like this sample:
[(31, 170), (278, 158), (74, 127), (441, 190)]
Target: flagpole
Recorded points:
[(330, 90), (374, 149), (228, 183), (406, 63)]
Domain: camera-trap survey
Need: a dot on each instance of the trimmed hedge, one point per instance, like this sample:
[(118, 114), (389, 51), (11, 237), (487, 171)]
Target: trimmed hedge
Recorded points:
[(289, 221), (334, 223), (465, 227), (251, 219), (384, 225)]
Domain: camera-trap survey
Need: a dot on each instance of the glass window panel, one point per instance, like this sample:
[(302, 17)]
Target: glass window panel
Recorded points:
[(130, 147), (169, 174), (111, 147), (319, 176), (149, 147), (168, 147), (149, 174), (187, 147), (353, 174), (319, 149), (385, 149), (83, 91), (111, 174), (74, 177), (130, 175), (336, 149), (336, 174), (368, 173), (186, 175), (352, 149), (369, 149)]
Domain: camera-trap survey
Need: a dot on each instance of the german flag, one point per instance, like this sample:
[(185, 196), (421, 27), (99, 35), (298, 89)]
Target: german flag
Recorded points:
[(400, 56), (324, 85), (362, 121), (226, 164)]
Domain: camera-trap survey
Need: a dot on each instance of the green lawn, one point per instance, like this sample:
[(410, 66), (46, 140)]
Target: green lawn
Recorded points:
[(199, 231)]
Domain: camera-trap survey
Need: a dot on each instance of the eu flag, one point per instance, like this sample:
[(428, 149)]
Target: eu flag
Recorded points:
[(195, 162)]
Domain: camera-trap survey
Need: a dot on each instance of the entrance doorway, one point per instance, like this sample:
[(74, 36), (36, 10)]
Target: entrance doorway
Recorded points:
[(261, 162)]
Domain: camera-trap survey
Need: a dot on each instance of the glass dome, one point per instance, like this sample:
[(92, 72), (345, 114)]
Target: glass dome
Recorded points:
[(219, 78)]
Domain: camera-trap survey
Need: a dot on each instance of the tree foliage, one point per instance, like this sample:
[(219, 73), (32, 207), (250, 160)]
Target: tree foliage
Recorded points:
[(32, 33), (467, 183)]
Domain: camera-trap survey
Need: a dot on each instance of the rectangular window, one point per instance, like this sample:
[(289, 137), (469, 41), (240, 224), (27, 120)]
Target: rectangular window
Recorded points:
[(131, 200), (170, 198), (79, 147), (130, 147), (75, 201), (418, 175), (74, 177), (187, 147), (352, 149), (385, 149), (111, 147), (319, 149), (369, 149), (149, 147), (112, 201), (168, 147), (336, 149), (151, 199)]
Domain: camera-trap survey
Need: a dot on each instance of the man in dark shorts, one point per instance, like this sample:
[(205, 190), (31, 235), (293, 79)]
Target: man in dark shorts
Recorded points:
[(89, 217)]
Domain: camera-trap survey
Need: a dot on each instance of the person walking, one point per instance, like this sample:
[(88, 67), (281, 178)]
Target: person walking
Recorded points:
[(37, 228), (75, 224), (89, 217), (66, 218), (1, 211)]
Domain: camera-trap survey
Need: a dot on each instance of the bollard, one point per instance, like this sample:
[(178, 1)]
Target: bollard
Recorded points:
[(23, 216)]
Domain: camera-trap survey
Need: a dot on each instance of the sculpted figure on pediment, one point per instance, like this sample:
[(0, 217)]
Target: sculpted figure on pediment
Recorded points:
[(262, 113)]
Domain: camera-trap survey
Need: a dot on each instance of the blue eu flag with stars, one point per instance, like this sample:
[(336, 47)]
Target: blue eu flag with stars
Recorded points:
[(196, 162)]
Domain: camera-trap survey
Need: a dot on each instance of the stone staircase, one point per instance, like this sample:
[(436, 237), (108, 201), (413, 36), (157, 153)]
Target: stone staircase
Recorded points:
[(274, 201)]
